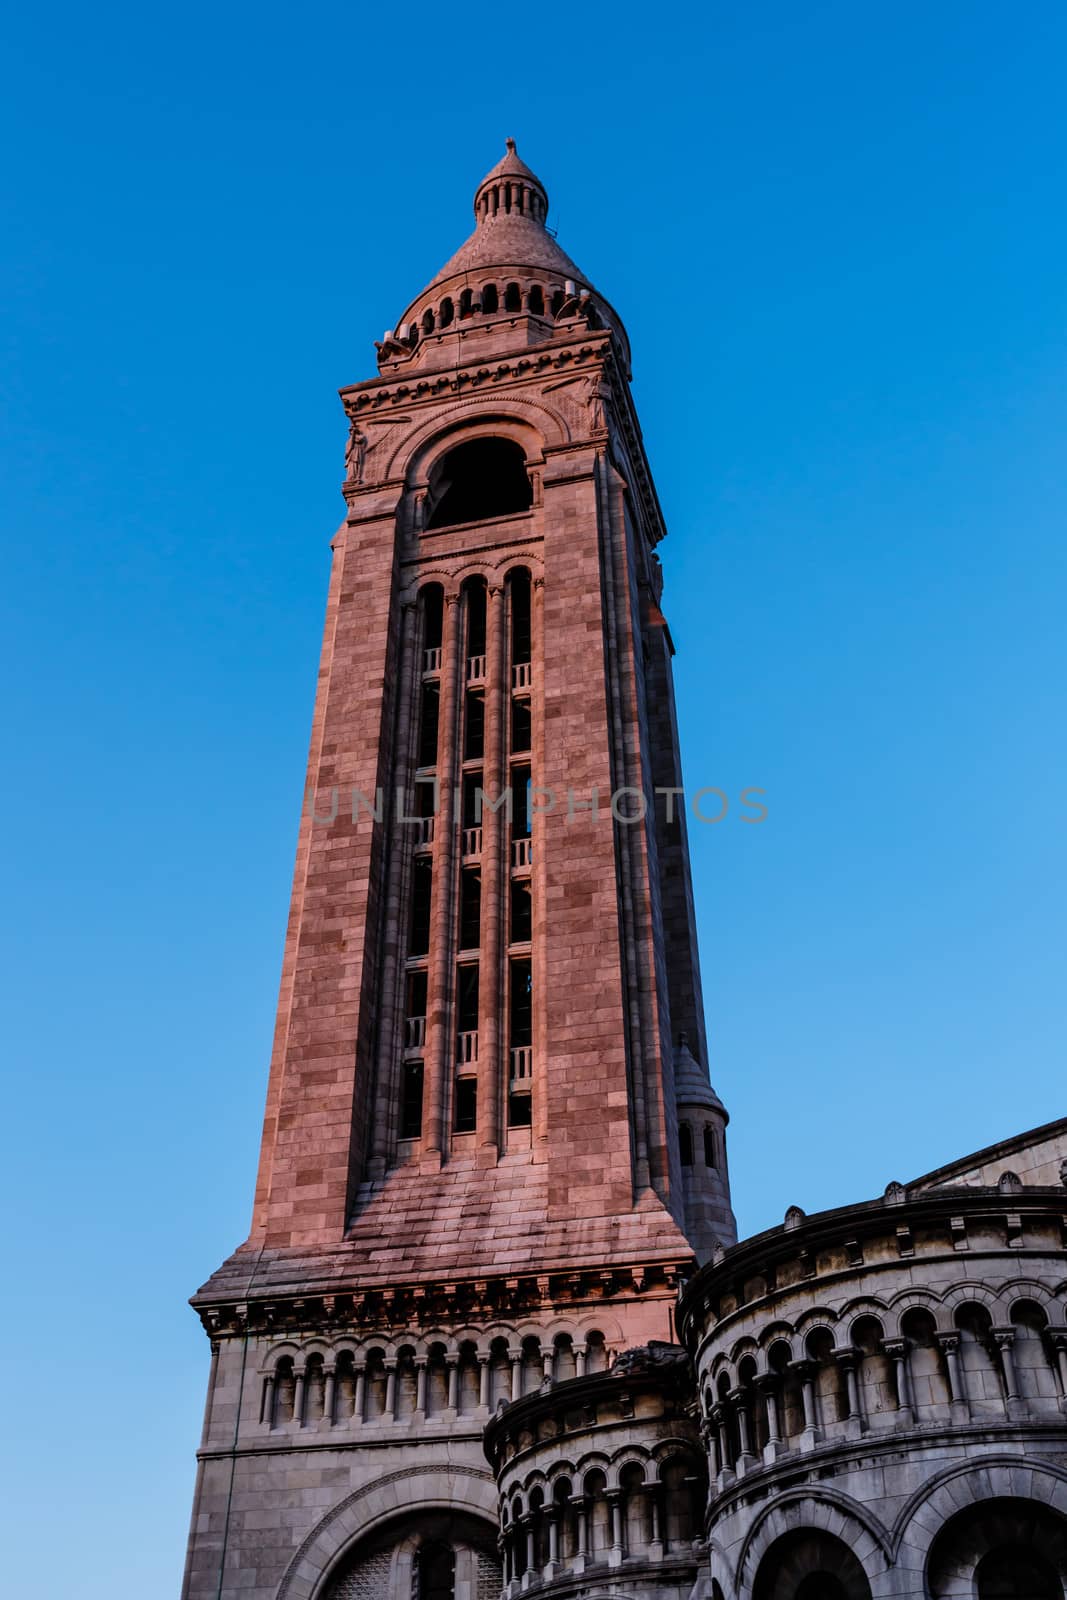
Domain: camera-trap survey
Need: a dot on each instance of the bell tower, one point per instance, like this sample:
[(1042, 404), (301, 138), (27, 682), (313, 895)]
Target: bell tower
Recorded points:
[(490, 1149)]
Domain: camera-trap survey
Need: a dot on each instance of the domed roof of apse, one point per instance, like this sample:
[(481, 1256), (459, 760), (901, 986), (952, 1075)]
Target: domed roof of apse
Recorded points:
[(510, 204)]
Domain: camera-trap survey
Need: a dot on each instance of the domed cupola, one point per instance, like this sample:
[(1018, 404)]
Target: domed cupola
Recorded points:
[(511, 271), (511, 187)]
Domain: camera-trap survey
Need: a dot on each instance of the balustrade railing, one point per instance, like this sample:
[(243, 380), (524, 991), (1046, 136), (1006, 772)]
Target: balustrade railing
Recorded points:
[(467, 1048)]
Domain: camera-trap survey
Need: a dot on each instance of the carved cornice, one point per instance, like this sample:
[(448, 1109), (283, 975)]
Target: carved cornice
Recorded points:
[(379, 394), (382, 1308)]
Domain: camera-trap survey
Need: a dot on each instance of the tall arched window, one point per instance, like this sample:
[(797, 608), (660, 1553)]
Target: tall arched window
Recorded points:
[(434, 1572)]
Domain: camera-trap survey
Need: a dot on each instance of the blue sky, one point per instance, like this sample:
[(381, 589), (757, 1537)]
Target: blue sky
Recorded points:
[(836, 234)]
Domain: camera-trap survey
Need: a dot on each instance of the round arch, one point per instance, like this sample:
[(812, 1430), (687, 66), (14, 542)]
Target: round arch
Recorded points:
[(417, 1488), (971, 1483), (825, 1509)]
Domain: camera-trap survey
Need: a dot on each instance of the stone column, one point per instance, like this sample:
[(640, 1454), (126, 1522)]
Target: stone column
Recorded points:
[(580, 1529), (452, 1362), (579, 1360), (615, 1554), (845, 1356), (483, 1380), (805, 1371), (552, 1516), (957, 1388), (718, 1413), (390, 1391), (440, 1011), (328, 1401), (515, 1357), (360, 1401), (538, 870), (739, 1400), (548, 1363), (421, 1363), (298, 1397), (1014, 1403), (1059, 1350), (267, 1414), (655, 1548), (531, 1551), (493, 1064), (774, 1447), (897, 1351)]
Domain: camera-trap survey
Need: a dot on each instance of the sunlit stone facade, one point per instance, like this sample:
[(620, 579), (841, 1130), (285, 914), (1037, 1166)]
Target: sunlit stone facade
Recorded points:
[(491, 1333)]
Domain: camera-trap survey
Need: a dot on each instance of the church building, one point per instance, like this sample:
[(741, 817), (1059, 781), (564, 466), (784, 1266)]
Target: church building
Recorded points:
[(492, 1333)]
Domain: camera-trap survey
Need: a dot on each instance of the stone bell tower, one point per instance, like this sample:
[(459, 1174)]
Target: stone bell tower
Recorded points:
[(490, 1148)]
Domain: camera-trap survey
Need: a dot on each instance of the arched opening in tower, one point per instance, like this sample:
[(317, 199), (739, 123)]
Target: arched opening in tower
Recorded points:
[(477, 480)]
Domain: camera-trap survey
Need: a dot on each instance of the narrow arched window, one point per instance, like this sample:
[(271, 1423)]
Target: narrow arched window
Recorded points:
[(512, 298), (709, 1145), (536, 301), (685, 1144), (433, 1575), (490, 301)]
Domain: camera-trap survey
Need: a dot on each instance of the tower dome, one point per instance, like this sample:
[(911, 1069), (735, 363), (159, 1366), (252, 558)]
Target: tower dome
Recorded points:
[(510, 264), (510, 208)]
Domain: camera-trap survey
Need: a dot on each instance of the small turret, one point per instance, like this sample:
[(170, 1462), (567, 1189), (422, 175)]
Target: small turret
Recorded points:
[(702, 1119)]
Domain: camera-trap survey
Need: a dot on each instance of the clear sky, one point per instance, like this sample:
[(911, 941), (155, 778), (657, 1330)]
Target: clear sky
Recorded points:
[(837, 236)]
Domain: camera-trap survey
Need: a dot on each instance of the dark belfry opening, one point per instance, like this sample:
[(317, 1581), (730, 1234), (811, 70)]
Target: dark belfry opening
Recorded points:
[(519, 585), (520, 802), (490, 301), (521, 1002), (467, 997), (709, 1146), (474, 726), (685, 1144), (470, 908), (536, 301), (520, 1035), (472, 802), (411, 1100), (482, 478), (466, 1111), (476, 604), (520, 725), (512, 298), (415, 1002), (421, 884), (521, 926), (429, 720), (433, 613)]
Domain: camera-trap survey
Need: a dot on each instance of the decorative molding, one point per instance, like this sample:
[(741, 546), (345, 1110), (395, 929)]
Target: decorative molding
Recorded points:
[(385, 1307)]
